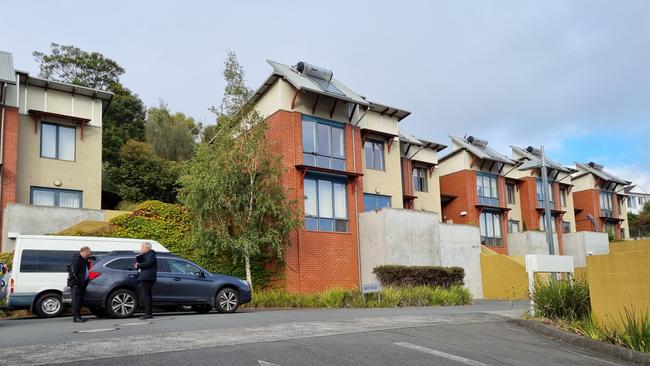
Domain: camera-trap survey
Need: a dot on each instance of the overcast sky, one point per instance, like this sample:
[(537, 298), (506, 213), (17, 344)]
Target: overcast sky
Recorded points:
[(572, 75)]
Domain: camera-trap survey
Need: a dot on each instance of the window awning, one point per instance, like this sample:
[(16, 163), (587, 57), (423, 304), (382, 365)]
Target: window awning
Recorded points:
[(38, 115), (341, 173)]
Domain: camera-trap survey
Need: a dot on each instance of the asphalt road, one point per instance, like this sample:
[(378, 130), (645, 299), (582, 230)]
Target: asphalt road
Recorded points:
[(476, 335)]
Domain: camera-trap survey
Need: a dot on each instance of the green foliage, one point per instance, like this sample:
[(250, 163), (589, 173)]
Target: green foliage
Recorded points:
[(610, 235), (170, 225), (171, 135), (232, 185), (8, 259), (399, 276), (72, 65), (339, 298), (142, 175), (636, 330), (123, 121), (561, 299)]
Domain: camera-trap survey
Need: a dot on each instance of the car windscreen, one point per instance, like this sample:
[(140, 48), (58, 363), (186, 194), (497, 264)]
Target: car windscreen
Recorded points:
[(49, 261)]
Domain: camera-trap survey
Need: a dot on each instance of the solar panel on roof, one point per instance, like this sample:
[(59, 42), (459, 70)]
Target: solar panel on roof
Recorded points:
[(326, 86)]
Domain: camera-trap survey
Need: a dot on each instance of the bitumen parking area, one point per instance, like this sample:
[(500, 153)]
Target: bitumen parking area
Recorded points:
[(475, 335)]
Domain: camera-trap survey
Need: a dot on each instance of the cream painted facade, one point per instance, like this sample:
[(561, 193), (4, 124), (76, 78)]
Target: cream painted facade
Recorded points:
[(84, 174), (387, 182), (430, 201), (457, 161)]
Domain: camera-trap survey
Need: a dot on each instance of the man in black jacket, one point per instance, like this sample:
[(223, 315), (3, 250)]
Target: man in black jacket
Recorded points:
[(147, 266), (78, 280)]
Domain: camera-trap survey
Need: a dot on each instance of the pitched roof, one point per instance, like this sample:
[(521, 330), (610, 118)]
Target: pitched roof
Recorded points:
[(481, 151), (534, 160), (340, 91), (405, 136), (598, 171)]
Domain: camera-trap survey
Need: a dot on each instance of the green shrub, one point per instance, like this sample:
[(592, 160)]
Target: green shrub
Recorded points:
[(636, 330), (401, 276), (555, 299), (339, 298), (170, 225)]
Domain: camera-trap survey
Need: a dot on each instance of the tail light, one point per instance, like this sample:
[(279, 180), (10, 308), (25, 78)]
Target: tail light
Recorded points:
[(4, 269), (11, 286), (92, 275)]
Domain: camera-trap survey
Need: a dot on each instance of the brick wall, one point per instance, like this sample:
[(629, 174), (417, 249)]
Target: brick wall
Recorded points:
[(586, 202), (461, 184), (9, 160), (316, 261)]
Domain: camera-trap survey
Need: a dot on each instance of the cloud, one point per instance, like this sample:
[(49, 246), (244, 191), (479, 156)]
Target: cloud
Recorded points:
[(632, 173)]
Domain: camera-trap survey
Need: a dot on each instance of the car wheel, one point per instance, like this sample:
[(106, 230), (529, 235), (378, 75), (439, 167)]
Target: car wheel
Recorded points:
[(227, 300), (121, 303), (97, 311), (49, 305), (202, 309)]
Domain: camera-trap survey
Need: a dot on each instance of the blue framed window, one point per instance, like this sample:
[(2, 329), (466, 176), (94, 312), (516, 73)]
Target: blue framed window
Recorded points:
[(540, 198), (58, 141), (326, 207), (323, 143), (486, 187), (375, 201), (56, 197), (374, 151)]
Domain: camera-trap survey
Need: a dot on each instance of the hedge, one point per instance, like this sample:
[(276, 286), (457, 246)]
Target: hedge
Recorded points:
[(7, 258), (434, 276)]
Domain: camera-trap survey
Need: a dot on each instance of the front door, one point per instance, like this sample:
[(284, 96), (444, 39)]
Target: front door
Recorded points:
[(188, 286)]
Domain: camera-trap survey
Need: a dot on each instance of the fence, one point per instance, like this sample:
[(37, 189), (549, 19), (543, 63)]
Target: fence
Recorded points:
[(640, 231)]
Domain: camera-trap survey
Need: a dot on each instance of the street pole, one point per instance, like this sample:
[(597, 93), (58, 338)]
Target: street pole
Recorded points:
[(547, 206)]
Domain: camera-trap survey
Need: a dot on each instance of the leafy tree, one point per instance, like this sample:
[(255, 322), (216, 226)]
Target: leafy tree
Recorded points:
[(73, 65), (232, 186), (171, 135), (124, 120), (142, 175)]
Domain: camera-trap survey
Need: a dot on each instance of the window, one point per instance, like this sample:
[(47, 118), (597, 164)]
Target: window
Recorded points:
[(542, 224), (375, 201), (55, 197), (325, 205), (420, 180), (540, 197), (640, 200), (182, 267), (374, 151), (631, 202), (486, 185), (510, 189), (121, 264), (490, 228), (566, 227), (606, 204), (563, 197), (57, 141), (513, 226), (323, 144)]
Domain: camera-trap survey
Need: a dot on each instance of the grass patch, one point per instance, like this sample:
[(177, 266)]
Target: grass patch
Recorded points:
[(561, 299), (339, 298)]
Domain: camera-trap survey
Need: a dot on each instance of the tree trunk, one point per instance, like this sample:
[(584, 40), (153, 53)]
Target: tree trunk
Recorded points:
[(249, 278)]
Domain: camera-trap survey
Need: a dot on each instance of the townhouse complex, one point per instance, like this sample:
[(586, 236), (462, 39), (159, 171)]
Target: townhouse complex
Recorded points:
[(343, 154), (51, 141)]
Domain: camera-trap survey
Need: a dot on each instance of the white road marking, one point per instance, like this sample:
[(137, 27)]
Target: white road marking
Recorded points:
[(449, 356), (264, 363), (93, 349), (98, 330)]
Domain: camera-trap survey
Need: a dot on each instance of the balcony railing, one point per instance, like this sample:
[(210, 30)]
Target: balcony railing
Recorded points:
[(606, 213), (490, 241), (488, 201)]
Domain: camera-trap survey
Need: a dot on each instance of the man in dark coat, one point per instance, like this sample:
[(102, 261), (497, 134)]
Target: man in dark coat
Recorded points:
[(78, 280), (147, 266)]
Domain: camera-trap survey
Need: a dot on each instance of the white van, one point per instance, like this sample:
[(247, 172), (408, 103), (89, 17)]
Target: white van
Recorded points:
[(39, 271)]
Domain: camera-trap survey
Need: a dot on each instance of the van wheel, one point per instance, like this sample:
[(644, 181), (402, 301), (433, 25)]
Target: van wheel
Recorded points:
[(49, 305), (121, 303), (227, 300)]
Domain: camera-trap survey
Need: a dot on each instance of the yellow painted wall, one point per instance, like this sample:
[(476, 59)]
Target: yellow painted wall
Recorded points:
[(387, 182), (618, 281), (504, 277), (430, 201), (629, 246)]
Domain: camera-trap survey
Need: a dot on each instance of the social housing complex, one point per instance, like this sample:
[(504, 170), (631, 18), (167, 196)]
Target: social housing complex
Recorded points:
[(342, 153)]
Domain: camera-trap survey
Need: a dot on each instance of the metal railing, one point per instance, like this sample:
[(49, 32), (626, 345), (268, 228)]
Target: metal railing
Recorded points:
[(488, 201)]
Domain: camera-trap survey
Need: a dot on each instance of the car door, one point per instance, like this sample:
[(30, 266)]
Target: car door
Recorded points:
[(161, 293), (188, 286)]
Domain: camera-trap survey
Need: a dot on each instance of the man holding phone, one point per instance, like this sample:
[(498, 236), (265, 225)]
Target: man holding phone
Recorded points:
[(147, 266)]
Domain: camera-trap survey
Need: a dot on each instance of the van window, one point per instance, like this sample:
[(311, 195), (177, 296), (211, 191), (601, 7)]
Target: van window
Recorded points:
[(121, 264), (53, 261)]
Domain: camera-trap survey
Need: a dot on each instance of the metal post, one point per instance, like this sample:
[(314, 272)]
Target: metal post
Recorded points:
[(547, 206)]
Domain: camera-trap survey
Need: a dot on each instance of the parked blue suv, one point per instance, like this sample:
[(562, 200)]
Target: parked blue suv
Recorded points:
[(113, 281)]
